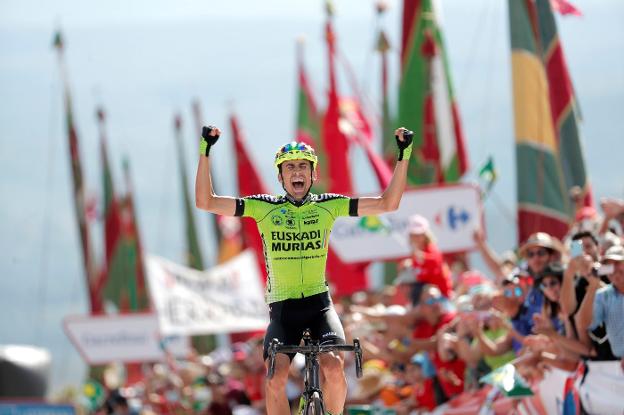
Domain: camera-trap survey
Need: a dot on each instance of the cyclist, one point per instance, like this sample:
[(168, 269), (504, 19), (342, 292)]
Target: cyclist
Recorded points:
[(295, 230)]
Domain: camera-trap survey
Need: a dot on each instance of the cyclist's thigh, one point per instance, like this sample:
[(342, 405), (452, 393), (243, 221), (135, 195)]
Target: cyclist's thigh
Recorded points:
[(328, 328), (277, 329)]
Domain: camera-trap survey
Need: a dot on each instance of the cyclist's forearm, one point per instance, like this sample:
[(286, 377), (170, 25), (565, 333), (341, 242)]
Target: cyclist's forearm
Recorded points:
[(204, 193), (393, 193), (390, 199)]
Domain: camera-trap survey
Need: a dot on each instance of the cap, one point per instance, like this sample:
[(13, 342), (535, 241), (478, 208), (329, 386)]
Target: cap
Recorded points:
[(615, 253), (417, 225), (541, 239), (240, 350)]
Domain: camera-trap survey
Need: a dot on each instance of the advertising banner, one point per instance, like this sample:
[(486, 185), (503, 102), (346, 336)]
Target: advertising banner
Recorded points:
[(453, 211), (122, 338), (225, 299)]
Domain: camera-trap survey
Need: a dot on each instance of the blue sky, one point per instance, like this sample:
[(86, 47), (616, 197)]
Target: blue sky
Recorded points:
[(146, 60)]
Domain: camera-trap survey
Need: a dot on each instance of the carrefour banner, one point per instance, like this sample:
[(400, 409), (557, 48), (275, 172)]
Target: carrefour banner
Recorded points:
[(225, 299), (133, 337), (453, 211)]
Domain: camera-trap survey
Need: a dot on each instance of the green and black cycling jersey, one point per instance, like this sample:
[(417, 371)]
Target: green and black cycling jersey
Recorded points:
[(295, 239)]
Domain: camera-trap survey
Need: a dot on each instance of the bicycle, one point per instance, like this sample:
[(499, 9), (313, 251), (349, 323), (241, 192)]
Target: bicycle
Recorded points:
[(312, 396)]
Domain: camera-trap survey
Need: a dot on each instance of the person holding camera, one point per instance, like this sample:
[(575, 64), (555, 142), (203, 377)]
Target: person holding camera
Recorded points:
[(295, 230)]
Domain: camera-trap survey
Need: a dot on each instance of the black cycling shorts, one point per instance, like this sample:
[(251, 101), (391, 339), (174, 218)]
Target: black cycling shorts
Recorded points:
[(289, 318)]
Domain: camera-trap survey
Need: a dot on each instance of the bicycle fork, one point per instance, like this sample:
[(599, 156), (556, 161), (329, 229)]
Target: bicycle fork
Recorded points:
[(312, 383)]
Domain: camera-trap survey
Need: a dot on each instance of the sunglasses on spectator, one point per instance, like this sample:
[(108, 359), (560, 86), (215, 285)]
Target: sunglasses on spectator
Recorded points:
[(542, 252), (551, 284), (512, 292), (433, 300)]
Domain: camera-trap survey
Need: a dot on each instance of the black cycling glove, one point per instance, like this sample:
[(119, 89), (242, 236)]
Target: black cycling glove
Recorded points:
[(207, 140)]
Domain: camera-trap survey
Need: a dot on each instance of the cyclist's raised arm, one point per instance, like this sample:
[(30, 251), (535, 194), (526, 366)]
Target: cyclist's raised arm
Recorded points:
[(204, 193), (391, 197)]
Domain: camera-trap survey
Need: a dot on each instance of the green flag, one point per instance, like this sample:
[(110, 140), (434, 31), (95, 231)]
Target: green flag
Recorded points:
[(488, 175), (193, 254), (427, 102), (508, 381)]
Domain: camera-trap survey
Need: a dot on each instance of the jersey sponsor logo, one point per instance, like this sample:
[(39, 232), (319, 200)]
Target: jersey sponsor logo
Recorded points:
[(290, 223), (295, 241), (295, 246), (277, 220), (310, 221), (329, 334), (295, 236)]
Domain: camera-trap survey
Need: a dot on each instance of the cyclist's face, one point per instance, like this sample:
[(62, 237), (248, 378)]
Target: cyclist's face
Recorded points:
[(296, 177)]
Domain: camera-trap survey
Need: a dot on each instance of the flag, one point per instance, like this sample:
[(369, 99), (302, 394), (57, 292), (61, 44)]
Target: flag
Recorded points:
[(488, 175), (549, 159), (344, 279), (78, 184), (193, 255), (335, 144), (133, 235), (357, 129), (564, 7), (122, 281), (387, 127), (571, 398), (203, 344), (225, 229), (426, 102), (309, 121), (563, 104), (249, 183), (507, 380)]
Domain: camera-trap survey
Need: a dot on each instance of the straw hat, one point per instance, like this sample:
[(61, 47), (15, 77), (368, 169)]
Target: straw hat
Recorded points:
[(543, 240)]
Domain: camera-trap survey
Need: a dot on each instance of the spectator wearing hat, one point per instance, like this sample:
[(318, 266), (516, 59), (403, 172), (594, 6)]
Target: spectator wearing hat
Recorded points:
[(606, 305), (420, 375), (425, 265), (539, 250)]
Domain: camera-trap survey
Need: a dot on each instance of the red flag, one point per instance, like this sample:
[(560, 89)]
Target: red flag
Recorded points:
[(344, 278), (335, 143), (564, 7), (249, 183), (356, 127)]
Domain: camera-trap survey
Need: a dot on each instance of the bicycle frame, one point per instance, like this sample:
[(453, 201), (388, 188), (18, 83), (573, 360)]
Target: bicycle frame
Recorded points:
[(311, 350)]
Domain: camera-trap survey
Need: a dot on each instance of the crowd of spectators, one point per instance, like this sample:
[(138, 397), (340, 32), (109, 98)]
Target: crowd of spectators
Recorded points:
[(437, 329)]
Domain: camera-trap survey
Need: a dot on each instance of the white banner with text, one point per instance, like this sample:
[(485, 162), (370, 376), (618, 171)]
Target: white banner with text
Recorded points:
[(225, 299), (122, 338)]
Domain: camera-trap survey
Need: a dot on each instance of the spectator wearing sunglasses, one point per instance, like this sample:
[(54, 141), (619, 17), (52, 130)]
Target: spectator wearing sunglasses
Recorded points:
[(539, 250), (549, 282), (511, 301)]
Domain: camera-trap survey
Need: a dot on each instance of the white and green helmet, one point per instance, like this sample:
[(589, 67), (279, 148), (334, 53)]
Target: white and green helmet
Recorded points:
[(295, 151)]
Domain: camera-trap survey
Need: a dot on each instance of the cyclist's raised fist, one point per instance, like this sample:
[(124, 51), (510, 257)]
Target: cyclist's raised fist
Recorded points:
[(404, 139), (210, 135)]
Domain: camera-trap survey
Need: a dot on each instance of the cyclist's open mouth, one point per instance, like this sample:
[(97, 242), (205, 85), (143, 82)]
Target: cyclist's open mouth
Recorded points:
[(298, 184)]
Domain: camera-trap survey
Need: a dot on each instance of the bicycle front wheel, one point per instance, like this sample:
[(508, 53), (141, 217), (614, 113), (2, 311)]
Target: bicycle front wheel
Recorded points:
[(315, 405)]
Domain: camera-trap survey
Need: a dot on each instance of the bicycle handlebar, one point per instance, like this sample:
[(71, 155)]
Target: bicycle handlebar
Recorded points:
[(314, 349)]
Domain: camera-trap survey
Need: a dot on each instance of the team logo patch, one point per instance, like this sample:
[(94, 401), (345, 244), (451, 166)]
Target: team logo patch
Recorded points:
[(277, 220), (290, 222)]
